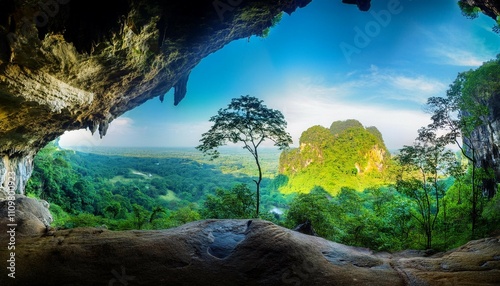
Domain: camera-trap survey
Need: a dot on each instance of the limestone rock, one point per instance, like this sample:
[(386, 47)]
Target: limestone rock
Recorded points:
[(476, 263), (306, 228), (15, 172), (229, 252), (67, 65), (486, 138), (32, 216)]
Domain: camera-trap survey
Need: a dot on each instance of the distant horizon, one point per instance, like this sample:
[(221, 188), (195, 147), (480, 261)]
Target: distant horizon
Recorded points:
[(240, 149), (266, 148), (192, 148)]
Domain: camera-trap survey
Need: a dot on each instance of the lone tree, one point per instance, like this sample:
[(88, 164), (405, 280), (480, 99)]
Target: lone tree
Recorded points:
[(250, 122)]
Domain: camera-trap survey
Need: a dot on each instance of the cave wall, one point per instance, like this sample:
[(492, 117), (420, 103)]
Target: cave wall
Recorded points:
[(486, 140), (73, 64), (14, 173)]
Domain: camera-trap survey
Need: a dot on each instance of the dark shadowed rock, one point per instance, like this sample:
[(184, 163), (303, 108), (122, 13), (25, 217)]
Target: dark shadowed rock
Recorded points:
[(363, 5), (306, 228), (490, 8), (229, 252)]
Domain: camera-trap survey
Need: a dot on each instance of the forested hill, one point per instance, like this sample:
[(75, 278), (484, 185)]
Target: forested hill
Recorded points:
[(346, 155)]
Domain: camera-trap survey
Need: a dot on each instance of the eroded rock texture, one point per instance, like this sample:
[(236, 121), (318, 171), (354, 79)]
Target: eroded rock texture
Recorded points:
[(486, 139), (67, 65), (236, 252)]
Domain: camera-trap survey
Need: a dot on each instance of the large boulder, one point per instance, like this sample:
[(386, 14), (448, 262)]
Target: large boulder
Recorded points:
[(234, 252), (28, 216)]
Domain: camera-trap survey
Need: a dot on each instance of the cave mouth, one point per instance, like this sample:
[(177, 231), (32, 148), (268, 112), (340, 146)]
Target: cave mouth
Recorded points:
[(305, 85), (142, 173), (109, 71)]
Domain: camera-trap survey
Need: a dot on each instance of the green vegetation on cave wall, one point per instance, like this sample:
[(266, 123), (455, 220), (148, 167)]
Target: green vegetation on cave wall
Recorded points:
[(346, 155)]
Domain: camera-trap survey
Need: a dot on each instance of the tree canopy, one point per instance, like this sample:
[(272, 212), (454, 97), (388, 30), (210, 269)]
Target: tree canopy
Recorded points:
[(246, 120), (461, 116), (239, 202)]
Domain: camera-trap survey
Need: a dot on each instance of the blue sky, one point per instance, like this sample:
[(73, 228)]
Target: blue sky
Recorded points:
[(326, 62)]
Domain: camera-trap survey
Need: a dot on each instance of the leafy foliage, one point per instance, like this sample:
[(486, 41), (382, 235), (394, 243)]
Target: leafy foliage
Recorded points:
[(246, 120), (376, 218), (274, 22), (463, 112), (469, 11), (423, 164), (346, 155), (338, 127), (238, 202), (312, 207), (472, 12), (139, 190)]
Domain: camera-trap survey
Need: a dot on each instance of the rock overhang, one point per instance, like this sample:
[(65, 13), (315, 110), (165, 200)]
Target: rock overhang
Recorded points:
[(74, 64)]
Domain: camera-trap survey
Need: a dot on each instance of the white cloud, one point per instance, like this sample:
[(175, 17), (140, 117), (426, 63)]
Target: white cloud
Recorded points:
[(124, 133), (458, 57), (378, 85), (181, 133), (80, 137), (303, 109), (123, 122), (420, 84), (117, 134), (450, 46), (369, 96), (416, 89)]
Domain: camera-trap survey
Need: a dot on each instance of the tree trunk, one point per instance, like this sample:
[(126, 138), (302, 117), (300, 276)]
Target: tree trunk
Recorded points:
[(445, 222), (474, 197), (429, 239), (472, 159), (258, 200), (257, 206)]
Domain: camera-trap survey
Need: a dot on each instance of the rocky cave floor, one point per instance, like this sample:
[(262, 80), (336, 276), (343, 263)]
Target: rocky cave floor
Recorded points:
[(226, 252)]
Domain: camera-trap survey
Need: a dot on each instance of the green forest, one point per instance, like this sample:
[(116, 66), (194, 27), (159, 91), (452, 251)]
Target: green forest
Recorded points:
[(141, 188), (342, 179), (346, 155)]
